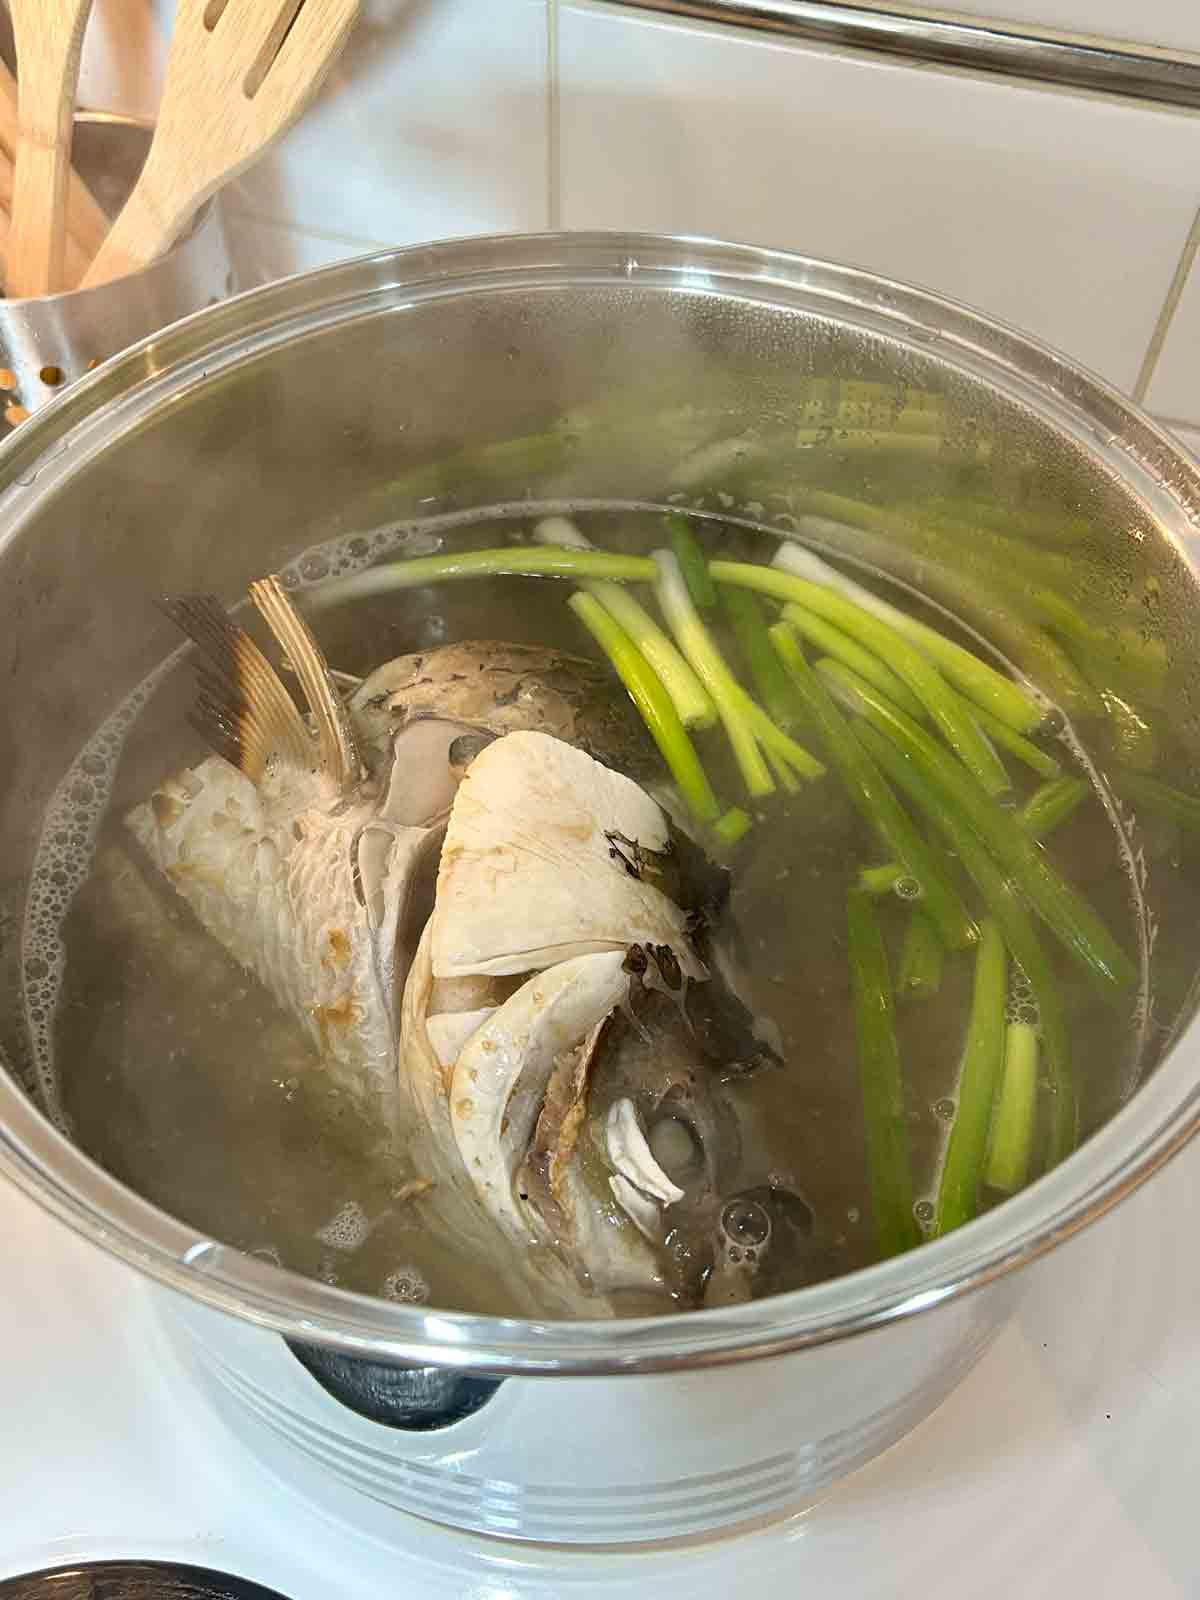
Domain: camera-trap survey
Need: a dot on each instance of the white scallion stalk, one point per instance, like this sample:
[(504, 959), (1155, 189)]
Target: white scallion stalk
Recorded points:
[(728, 696), (1015, 1115), (981, 683), (687, 693)]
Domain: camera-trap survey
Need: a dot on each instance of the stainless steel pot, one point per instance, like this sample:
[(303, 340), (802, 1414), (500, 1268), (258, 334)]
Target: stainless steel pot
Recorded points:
[(387, 388)]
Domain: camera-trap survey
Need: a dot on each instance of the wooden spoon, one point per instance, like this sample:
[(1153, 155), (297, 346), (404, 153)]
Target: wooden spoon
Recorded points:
[(76, 256), (49, 40), (239, 73), (87, 221)]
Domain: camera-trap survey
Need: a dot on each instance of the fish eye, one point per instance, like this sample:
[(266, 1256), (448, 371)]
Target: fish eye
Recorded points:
[(677, 1147)]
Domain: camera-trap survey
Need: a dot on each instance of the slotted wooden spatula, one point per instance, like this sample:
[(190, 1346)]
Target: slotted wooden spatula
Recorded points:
[(49, 38), (239, 73)]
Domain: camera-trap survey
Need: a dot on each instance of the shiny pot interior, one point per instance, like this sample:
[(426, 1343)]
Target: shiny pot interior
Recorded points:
[(389, 388)]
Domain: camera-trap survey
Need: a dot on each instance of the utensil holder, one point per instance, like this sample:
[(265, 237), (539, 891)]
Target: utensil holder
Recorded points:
[(47, 342)]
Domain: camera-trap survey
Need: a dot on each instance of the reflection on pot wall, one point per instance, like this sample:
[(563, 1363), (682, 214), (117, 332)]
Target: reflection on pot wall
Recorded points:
[(527, 114)]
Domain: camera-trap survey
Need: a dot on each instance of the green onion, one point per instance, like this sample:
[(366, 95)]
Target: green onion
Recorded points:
[(691, 561), (1046, 809), (918, 672), (696, 643), (513, 561), (833, 642), (1063, 909), (883, 880), (1049, 807), (733, 825), (920, 973), (880, 1082), (784, 776), (655, 705), (1005, 904), (746, 724), (983, 1059), (980, 683), (1034, 757), (874, 799), (992, 554), (1159, 798), (695, 708), (772, 684), (773, 739), (989, 605), (1016, 1111)]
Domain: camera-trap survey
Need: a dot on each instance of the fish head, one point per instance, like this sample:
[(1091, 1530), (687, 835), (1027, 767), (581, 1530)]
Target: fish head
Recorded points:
[(675, 1122), (591, 1064)]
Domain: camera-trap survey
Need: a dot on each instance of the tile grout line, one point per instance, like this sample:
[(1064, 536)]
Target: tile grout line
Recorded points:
[(553, 152), (1170, 305), (244, 213)]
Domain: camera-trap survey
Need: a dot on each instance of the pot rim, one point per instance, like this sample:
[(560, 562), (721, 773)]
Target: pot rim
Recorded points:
[(1157, 1120)]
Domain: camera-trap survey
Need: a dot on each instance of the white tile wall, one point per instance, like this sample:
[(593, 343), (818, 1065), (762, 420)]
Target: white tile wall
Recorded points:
[(262, 251), (1063, 214), (123, 54), (1175, 387), (432, 124), (1167, 24)]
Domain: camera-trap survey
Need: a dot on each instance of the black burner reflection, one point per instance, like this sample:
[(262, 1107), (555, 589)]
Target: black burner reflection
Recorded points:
[(132, 1580)]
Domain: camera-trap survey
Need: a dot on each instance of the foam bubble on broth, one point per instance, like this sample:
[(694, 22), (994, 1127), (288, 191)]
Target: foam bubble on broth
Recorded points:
[(61, 864), (407, 1286), (347, 1231)]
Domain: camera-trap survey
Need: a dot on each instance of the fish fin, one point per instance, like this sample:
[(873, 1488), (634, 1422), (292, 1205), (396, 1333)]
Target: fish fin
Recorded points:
[(339, 753), (242, 710)]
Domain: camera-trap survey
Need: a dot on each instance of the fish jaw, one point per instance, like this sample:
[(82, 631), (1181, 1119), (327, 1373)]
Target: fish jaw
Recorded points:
[(478, 1150), (529, 872), (271, 877), (535, 1270), (502, 1073)]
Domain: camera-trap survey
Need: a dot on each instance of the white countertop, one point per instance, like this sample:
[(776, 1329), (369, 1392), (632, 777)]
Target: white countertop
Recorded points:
[(1065, 1466)]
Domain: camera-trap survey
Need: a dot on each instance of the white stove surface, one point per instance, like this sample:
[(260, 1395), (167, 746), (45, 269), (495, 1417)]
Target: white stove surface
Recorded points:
[(1065, 1466)]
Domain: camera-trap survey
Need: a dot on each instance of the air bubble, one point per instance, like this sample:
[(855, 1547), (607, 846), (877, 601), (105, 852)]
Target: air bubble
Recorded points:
[(61, 863), (923, 1211), (347, 1231), (406, 1285), (944, 1109), (907, 888)]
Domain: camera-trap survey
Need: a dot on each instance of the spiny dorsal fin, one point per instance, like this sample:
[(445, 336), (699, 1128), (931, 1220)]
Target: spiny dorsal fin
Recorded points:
[(243, 710), (339, 753)]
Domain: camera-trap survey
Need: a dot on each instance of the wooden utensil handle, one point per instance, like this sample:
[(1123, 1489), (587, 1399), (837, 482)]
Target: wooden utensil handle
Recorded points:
[(77, 259), (49, 40), (87, 221), (37, 246), (148, 225)]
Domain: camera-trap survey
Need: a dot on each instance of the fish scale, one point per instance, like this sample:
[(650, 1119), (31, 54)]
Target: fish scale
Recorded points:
[(275, 902)]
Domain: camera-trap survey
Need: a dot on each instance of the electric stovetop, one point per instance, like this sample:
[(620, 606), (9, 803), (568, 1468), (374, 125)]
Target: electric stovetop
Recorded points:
[(1067, 1465)]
